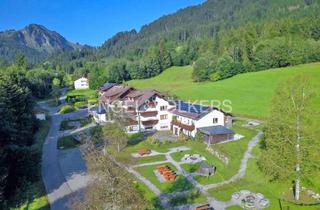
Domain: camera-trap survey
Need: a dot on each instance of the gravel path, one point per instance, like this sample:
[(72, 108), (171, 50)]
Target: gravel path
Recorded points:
[(216, 204), (243, 166)]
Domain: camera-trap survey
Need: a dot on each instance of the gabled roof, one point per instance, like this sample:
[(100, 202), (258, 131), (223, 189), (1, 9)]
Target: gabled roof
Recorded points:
[(134, 94), (139, 97), (193, 110), (147, 94), (106, 86), (216, 130), (116, 92), (81, 78), (189, 110)]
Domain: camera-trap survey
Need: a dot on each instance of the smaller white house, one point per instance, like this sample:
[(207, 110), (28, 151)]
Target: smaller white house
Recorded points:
[(81, 83), (99, 114)]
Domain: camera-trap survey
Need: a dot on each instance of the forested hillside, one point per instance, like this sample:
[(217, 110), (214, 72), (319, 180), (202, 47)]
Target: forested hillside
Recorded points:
[(219, 38)]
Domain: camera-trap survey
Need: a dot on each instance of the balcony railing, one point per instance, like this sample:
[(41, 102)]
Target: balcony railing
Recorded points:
[(182, 125)]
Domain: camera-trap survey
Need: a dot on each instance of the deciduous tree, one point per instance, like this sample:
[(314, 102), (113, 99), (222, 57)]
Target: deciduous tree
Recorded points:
[(291, 149)]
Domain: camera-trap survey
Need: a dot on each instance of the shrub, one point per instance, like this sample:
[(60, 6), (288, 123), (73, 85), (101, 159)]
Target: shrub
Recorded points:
[(151, 140), (199, 136), (93, 101), (80, 103), (183, 137), (66, 109)]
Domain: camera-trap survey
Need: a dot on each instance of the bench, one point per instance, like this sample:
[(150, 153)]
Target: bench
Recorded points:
[(143, 152), (203, 207)]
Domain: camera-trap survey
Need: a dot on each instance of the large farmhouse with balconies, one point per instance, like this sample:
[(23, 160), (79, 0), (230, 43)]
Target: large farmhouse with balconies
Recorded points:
[(149, 110)]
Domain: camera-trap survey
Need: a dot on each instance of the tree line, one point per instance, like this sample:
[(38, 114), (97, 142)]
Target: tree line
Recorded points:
[(255, 46), (20, 152)]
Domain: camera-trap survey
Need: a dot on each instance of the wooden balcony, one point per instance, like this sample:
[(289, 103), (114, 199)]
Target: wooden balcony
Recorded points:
[(182, 125)]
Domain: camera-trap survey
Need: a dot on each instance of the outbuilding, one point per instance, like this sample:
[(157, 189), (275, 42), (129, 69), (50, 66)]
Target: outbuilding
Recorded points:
[(216, 134), (206, 169)]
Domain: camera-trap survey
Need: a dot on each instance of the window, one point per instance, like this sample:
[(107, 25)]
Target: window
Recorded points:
[(215, 120), (163, 108), (163, 117), (163, 127)]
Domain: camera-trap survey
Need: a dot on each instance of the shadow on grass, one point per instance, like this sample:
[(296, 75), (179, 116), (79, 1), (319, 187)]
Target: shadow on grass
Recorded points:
[(181, 184), (188, 198), (136, 138)]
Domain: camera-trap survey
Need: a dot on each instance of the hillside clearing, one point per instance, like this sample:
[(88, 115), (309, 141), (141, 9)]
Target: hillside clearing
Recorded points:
[(250, 93)]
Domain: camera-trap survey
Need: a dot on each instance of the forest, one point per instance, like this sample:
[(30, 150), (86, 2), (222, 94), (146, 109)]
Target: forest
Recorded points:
[(20, 88), (219, 39)]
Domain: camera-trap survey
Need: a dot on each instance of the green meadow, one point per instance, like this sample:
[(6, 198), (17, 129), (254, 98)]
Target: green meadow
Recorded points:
[(250, 93)]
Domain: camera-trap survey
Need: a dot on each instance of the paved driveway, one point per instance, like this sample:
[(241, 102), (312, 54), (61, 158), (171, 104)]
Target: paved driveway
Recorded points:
[(61, 175)]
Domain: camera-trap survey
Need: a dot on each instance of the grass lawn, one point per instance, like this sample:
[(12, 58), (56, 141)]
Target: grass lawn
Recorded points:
[(256, 181), (125, 155), (85, 92), (148, 194), (151, 159), (234, 150), (67, 142), (83, 122), (191, 167), (66, 109), (250, 93), (180, 184)]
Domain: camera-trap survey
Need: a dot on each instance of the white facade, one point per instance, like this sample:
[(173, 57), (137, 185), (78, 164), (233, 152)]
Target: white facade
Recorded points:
[(164, 117), (213, 118), (81, 83), (149, 110)]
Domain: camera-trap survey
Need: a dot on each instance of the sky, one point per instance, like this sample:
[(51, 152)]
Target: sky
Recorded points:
[(86, 21)]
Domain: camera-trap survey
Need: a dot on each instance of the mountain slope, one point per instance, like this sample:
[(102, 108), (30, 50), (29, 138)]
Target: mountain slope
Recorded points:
[(250, 93), (34, 41)]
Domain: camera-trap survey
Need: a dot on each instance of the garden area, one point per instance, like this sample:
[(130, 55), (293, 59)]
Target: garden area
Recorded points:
[(154, 154), (254, 180), (69, 124), (233, 150), (83, 95), (79, 99), (178, 185)]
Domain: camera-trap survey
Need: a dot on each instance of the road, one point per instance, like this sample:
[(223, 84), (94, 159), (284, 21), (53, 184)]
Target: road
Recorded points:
[(60, 187)]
